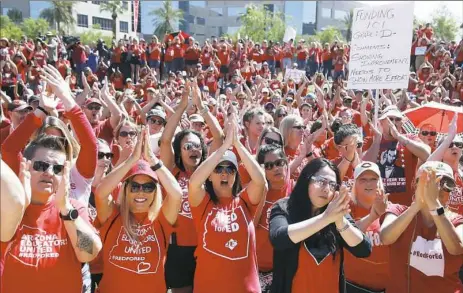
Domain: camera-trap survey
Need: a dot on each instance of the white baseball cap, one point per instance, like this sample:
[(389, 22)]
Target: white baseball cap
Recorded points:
[(441, 168), (366, 166), (391, 111), (229, 156)]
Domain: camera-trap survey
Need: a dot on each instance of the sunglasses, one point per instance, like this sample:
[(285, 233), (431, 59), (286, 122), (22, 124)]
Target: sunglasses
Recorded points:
[(299, 127), (191, 145), (456, 144), (430, 133), (447, 184), (282, 115), (359, 144), (145, 187), (102, 155), (277, 163), (269, 140), (227, 169), (41, 166), (396, 119), (156, 121), (94, 107), (128, 133)]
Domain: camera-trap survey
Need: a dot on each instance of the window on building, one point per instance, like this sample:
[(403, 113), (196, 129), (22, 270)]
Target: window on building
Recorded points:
[(198, 3), (270, 7), (125, 5), (340, 14), (219, 11), (326, 12), (124, 26), (105, 24), (190, 18), (200, 21), (96, 2), (82, 20), (232, 30), (236, 11)]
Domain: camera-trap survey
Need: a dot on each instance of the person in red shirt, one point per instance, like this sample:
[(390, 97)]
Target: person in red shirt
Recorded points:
[(116, 56), (425, 239), (316, 209), (223, 215), (169, 57), (192, 54), (368, 204), (63, 66), (327, 60), (223, 55), (206, 56), (17, 112), (50, 235), (137, 231), (154, 51), (178, 62), (135, 51)]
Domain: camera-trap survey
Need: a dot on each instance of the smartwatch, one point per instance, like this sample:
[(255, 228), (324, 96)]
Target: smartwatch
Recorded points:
[(72, 215), (438, 212), (157, 166)]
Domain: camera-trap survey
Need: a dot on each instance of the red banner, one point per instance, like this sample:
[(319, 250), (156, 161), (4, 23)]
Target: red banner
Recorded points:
[(136, 7)]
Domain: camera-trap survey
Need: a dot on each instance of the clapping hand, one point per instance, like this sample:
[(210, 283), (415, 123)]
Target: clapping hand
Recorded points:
[(25, 178), (338, 207), (62, 194), (380, 204)]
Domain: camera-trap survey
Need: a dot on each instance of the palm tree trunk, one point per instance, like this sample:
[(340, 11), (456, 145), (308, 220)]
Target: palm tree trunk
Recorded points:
[(114, 16)]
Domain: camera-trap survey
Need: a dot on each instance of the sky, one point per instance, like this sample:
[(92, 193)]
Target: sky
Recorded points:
[(424, 9)]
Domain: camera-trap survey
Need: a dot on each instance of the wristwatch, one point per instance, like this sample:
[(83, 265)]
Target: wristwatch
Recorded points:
[(72, 215), (157, 166), (438, 212), (309, 154)]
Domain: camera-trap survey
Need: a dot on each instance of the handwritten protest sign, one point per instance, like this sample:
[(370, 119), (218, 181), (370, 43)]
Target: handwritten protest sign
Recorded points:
[(290, 33), (295, 74), (420, 51), (380, 47)]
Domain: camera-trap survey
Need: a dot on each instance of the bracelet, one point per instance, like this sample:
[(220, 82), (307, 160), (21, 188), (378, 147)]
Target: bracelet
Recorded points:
[(344, 228), (348, 159), (309, 154), (157, 166), (204, 111), (43, 110)]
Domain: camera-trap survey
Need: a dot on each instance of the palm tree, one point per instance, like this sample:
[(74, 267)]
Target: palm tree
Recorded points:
[(165, 17), (348, 20), (114, 7), (59, 13), (15, 15)]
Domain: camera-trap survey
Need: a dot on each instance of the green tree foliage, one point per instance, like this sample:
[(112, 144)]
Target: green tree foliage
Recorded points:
[(59, 14), (15, 15), (115, 7), (261, 24), (34, 27), (8, 29), (348, 21), (329, 35), (92, 36), (444, 25), (165, 17)]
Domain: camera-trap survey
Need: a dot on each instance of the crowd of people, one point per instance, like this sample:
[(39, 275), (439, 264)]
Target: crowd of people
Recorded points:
[(153, 166)]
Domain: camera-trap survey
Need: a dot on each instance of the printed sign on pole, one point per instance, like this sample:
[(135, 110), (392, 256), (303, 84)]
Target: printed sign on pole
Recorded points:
[(380, 47), (290, 33)]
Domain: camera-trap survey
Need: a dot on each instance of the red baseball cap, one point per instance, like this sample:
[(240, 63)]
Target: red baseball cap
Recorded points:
[(92, 100), (141, 167)]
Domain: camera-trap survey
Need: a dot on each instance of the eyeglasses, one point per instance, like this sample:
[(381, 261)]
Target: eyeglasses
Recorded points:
[(282, 115), (41, 166), (447, 184), (299, 127), (102, 155), (94, 107), (323, 182), (156, 121), (24, 111), (192, 145), (277, 163), (128, 133), (269, 140), (456, 144), (430, 133), (227, 169), (145, 187), (359, 144), (396, 119)]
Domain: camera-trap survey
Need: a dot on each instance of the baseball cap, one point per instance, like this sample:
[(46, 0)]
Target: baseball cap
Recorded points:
[(310, 96), (92, 101), (60, 107), (196, 118), (212, 101), (265, 90), (229, 156), (156, 112), (32, 98), (151, 90), (18, 105), (205, 88), (390, 111), (269, 105), (441, 168), (141, 167), (128, 79), (366, 166)]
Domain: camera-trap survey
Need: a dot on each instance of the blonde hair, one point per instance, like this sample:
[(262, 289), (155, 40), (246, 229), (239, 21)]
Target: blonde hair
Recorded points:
[(286, 126), (354, 189), (128, 122), (128, 221)]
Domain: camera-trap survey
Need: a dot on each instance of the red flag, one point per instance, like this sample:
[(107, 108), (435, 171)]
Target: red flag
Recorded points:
[(136, 7)]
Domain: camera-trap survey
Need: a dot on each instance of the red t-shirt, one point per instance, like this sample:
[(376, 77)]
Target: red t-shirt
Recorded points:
[(192, 53), (134, 266), (155, 52), (224, 56), (371, 272), (179, 52), (226, 238), (432, 268), (116, 57), (41, 253), (456, 196), (104, 130), (169, 55), (206, 58)]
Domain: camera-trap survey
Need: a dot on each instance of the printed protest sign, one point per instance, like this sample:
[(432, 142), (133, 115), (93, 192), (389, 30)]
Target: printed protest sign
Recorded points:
[(295, 74), (290, 33), (380, 47), (420, 51)]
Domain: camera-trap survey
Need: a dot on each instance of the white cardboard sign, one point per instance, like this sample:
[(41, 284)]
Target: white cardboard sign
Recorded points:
[(296, 74), (290, 33), (380, 47), (420, 51)]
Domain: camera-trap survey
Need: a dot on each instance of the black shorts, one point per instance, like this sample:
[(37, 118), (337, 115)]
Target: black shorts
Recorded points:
[(223, 69), (135, 60), (180, 266), (277, 64), (191, 62)]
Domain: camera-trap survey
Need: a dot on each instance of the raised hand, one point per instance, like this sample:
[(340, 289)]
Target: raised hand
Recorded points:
[(25, 178), (57, 83), (380, 204), (62, 194), (148, 154), (453, 126), (393, 129), (338, 207), (230, 136), (431, 189)]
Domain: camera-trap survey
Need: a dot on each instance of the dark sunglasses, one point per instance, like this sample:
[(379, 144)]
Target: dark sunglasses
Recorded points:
[(282, 115), (447, 184), (145, 187), (426, 133), (41, 166), (157, 121), (94, 107), (456, 144), (102, 155), (127, 133), (359, 144), (299, 127), (396, 119), (277, 163), (227, 169), (191, 145), (269, 140)]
